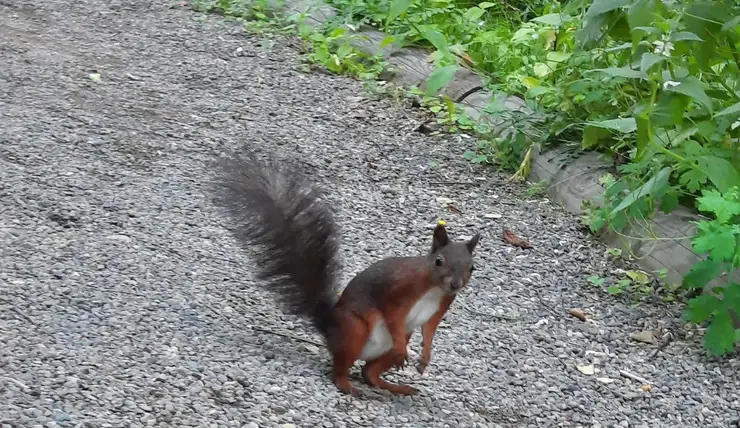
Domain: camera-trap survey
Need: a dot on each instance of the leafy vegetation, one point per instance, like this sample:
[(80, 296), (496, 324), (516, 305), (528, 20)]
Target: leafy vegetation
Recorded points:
[(653, 85)]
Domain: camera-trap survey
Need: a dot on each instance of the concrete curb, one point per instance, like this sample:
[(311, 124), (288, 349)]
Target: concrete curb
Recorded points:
[(571, 183)]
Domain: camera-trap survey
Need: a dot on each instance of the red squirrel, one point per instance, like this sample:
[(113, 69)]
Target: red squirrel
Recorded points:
[(274, 206)]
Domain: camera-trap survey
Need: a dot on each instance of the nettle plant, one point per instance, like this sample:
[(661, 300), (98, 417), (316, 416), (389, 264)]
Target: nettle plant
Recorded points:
[(656, 86), (718, 240)]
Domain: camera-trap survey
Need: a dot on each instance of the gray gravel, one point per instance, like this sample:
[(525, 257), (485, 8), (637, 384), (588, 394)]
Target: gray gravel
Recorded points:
[(126, 303)]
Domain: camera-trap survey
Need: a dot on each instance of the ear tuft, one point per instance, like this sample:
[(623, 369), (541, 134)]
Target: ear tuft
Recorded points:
[(440, 238), (473, 242)]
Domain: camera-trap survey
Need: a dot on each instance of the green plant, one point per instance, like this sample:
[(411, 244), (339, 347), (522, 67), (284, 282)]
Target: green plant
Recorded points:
[(505, 152), (717, 238), (537, 189), (333, 49), (256, 15), (596, 280)]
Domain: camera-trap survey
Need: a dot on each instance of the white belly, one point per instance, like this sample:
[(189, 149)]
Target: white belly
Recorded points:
[(380, 340)]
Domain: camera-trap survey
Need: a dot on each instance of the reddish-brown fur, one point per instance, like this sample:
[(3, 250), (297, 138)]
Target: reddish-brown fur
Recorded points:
[(273, 204), (409, 281)]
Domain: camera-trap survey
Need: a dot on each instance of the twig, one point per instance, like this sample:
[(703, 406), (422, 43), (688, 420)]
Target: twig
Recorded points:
[(473, 311), (17, 382), (547, 306), (20, 314), (634, 377), (466, 183), (668, 339)]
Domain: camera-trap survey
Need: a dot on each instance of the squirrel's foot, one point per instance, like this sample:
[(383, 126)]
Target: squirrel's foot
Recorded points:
[(400, 359), (345, 387), (421, 366), (349, 390), (405, 390)]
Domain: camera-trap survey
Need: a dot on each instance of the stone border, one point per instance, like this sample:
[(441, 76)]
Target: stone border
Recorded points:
[(571, 183)]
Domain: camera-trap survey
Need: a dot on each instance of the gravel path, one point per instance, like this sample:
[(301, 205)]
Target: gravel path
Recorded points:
[(125, 302)]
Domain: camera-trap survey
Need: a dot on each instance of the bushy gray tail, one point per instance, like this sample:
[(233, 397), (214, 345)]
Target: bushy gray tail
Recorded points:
[(274, 206)]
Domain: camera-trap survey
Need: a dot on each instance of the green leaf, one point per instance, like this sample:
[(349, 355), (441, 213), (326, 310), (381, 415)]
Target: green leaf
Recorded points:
[(487, 4), (669, 109), (596, 280), (644, 135), (648, 60), (625, 72), (553, 19), (694, 88), (669, 201), (537, 91), (437, 39), (439, 78), (731, 24), (704, 18), (642, 12), (720, 336), (638, 276), (693, 179), (702, 273), (712, 201), (720, 171), (558, 57), (387, 40), (717, 240), (397, 8), (625, 125), (541, 69), (733, 110), (701, 308), (655, 184), (731, 296), (614, 289), (473, 14), (647, 30), (599, 7), (592, 135), (685, 35)]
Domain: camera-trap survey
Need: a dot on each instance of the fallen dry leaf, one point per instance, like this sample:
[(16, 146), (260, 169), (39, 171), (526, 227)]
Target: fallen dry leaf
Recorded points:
[(643, 336), (638, 276), (605, 379), (577, 313), (453, 208), (426, 128), (514, 240), (647, 387), (587, 369), (444, 201)]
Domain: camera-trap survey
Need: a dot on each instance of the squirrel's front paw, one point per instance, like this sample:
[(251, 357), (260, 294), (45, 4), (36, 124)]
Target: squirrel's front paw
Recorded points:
[(399, 359), (421, 365)]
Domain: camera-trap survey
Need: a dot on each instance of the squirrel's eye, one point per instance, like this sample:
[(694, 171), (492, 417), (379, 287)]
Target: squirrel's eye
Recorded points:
[(438, 261)]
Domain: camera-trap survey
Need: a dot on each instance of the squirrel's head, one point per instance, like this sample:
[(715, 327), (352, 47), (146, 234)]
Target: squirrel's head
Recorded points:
[(451, 262)]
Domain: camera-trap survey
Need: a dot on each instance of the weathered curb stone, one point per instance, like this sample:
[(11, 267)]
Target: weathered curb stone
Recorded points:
[(571, 183)]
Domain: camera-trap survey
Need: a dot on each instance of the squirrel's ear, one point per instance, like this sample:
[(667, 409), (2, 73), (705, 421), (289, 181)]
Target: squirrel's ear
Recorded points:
[(440, 238), (473, 242)]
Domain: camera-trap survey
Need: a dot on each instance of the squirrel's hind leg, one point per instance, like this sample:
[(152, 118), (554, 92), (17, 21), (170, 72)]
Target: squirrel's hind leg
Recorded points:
[(347, 339), (373, 369)]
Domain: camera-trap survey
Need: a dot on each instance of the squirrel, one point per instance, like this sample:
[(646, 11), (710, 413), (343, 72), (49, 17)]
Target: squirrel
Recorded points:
[(273, 205)]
